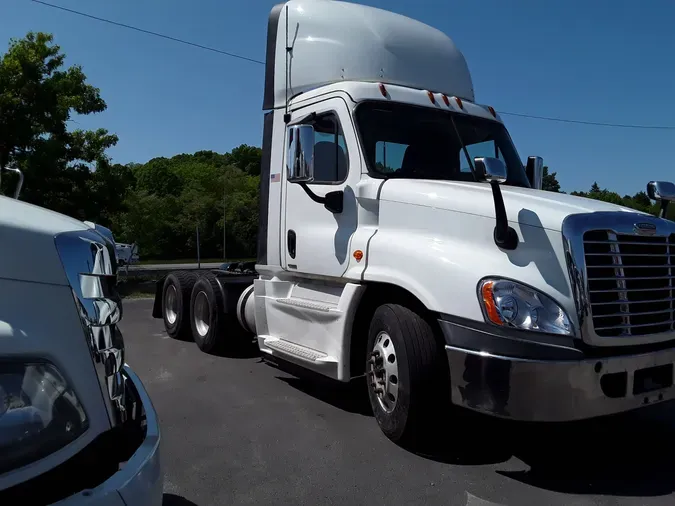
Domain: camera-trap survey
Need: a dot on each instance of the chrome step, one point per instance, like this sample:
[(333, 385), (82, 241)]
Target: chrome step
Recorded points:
[(297, 350), (307, 304)]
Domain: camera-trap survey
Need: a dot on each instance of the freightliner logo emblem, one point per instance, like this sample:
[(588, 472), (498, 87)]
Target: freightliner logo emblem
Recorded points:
[(644, 228)]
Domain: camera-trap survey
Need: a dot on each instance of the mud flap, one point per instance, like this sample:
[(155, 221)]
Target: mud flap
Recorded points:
[(157, 306)]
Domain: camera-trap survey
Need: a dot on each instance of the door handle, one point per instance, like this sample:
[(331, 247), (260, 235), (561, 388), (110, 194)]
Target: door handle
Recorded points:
[(291, 243)]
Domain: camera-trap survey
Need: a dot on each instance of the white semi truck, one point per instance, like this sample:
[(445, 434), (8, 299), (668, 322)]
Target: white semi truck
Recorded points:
[(76, 424), (402, 238)]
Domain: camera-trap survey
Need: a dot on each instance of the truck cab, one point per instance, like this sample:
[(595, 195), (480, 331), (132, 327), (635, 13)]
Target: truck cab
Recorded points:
[(402, 238)]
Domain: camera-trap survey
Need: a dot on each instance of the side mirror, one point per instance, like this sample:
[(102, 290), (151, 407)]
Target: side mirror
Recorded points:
[(493, 171), (663, 192), (490, 170), (535, 171), (300, 155), (17, 189)]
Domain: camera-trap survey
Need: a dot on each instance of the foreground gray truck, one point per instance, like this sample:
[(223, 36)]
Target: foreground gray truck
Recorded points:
[(77, 427)]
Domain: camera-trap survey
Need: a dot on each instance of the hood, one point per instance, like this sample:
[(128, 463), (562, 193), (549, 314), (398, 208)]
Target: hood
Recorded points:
[(523, 205), (27, 248)]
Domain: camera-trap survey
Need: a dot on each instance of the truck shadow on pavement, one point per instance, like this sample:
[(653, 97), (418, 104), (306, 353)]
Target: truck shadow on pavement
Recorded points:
[(176, 500), (350, 397), (631, 454), (241, 351)]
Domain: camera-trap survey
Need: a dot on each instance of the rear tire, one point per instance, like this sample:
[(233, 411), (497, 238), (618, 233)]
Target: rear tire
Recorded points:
[(176, 303), (213, 329), (207, 315), (408, 381)]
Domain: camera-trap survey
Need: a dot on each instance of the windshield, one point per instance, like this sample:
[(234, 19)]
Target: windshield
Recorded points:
[(407, 141)]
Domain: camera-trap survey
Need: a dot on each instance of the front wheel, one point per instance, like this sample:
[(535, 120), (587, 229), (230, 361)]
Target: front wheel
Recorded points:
[(406, 372)]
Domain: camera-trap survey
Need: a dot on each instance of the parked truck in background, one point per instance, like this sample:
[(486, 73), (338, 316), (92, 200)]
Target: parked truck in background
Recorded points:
[(76, 424), (126, 254), (402, 238)]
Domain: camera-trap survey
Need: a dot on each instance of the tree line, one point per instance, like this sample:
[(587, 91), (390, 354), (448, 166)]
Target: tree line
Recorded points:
[(640, 201), (159, 204)]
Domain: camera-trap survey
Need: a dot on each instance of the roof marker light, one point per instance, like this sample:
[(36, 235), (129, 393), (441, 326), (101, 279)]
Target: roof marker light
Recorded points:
[(383, 90), (459, 102), (492, 111), (446, 99), (431, 97)]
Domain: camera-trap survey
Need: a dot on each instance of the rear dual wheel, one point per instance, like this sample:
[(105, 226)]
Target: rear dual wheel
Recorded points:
[(176, 303), (208, 317), (213, 328)]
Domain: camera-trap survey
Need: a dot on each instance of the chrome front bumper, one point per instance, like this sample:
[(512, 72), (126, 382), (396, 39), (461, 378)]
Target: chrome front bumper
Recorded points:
[(555, 390), (140, 482)]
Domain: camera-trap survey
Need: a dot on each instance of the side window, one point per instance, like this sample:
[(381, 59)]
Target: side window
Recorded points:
[(389, 156), (330, 150), (480, 149)]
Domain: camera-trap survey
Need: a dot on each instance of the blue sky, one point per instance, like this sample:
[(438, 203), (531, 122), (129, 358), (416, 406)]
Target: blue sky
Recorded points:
[(599, 60)]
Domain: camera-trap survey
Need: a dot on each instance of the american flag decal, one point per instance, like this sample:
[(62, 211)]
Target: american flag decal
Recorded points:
[(275, 178)]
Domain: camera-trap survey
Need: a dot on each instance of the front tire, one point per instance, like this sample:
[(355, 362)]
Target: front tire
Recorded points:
[(406, 372), (176, 303)]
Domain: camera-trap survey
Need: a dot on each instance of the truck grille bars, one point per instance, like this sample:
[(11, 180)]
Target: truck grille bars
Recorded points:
[(622, 267), (630, 280), (89, 262)]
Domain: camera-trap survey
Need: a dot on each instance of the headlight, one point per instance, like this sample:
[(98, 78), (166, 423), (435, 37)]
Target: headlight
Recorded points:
[(39, 414), (510, 304)]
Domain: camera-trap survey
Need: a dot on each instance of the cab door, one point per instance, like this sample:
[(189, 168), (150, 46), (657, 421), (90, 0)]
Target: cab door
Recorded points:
[(316, 240)]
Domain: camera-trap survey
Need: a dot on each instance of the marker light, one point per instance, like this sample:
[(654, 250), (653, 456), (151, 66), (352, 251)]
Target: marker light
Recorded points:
[(383, 90), (358, 255), (459, 102), (431, 97), (446, 99), (492, 111)]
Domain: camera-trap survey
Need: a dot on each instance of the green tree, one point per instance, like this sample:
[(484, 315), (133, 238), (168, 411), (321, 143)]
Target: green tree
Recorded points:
[(174, 196), (38, 98), (550, 182), (246, 158)]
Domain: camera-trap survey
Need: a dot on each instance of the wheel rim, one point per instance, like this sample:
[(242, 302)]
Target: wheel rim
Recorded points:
[(383, 372), (171, 305), (202, 314)]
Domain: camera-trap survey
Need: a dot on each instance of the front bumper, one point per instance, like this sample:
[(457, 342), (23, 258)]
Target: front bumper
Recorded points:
[(554, 389), (140, 481)]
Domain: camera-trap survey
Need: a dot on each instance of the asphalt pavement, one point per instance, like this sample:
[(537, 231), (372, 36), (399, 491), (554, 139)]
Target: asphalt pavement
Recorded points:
[(237, 430)]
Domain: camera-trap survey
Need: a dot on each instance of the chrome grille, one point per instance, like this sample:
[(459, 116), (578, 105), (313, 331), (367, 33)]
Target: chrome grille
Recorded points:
[(630, 282), (89, 262)]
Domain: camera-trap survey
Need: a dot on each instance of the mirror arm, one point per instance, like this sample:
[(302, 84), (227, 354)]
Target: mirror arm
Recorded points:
[(333, 201), (311, 194), (505, 237), (664, 208)]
